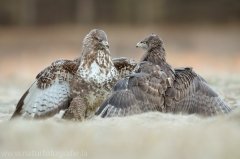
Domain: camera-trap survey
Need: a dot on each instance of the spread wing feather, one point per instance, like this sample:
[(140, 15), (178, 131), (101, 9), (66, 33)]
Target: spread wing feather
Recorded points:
[(49, 93), (124, 65), (136, 93), (191, 94)]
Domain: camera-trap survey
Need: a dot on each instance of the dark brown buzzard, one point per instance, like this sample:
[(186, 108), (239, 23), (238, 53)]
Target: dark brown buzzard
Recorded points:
[(156, 86)]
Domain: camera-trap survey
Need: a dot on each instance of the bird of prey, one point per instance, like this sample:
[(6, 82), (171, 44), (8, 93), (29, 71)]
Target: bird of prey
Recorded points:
[(80, 86), (155, 85)]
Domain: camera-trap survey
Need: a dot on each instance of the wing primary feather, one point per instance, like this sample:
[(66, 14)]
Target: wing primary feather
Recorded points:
[(17, 112)]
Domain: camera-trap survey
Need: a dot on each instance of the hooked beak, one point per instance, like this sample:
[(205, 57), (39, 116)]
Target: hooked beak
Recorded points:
[(139, 44), (105, 43)]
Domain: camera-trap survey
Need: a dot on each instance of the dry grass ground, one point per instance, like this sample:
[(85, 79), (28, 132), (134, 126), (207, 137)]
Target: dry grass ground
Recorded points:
[(213, 52)]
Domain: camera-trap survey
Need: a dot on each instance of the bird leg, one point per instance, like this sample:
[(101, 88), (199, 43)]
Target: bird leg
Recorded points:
[(78, 108)]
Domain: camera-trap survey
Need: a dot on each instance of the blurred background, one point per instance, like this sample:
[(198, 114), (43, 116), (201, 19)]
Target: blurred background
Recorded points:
[(203, 34)]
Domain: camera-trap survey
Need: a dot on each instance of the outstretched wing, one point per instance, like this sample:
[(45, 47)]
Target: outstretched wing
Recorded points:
[(134, 94), (124, 65), (191, 94), (49, 93)]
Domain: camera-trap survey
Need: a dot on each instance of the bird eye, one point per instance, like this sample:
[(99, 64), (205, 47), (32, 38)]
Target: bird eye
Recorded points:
[(100, 40)]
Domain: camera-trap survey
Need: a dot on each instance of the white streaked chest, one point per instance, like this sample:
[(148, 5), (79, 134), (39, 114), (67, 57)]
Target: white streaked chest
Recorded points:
[(100, 70)]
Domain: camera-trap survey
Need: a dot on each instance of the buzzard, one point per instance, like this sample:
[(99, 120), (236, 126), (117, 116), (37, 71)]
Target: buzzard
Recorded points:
[(157, 86), (79, 85)]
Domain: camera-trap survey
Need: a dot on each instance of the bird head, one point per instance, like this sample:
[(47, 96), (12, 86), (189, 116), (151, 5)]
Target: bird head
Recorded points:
[(99, 39), (95, 40), (150, 42)]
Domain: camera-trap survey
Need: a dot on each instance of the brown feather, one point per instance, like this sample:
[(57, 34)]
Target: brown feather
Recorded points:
[(156, 86)]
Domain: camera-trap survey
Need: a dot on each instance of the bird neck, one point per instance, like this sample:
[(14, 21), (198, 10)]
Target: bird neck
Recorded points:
[(100, 57), (156, 55)]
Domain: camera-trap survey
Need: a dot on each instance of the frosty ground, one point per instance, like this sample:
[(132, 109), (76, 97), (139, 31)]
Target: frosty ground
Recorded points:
[(140, 136)]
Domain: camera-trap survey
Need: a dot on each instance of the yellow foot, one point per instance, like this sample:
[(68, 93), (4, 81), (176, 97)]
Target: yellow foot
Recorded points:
[(82, 120), (75, 119)]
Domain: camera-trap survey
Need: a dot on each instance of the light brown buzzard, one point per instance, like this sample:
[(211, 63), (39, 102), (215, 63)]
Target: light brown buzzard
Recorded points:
[(80, 86)]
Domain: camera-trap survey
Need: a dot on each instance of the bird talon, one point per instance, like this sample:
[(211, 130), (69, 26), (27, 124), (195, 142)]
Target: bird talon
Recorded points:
[(74, 120), (82, 120)]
